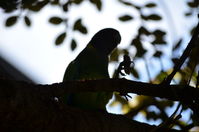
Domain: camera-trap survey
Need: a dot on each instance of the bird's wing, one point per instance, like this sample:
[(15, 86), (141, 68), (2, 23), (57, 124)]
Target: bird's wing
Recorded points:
[(87, 66)]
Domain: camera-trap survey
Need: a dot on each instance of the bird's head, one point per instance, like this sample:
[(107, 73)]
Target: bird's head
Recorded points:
[(106, 40)]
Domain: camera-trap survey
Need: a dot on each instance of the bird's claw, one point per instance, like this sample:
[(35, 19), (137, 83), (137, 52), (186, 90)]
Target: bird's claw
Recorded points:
[(126, 96)]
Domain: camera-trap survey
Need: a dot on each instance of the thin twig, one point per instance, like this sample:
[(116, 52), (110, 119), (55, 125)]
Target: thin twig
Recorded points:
[(184, 56)]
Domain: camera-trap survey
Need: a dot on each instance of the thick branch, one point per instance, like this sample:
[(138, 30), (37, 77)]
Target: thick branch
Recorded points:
[(11, 88), (27, 107)]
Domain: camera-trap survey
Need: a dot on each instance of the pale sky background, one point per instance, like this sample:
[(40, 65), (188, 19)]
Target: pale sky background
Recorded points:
[(32, 49)]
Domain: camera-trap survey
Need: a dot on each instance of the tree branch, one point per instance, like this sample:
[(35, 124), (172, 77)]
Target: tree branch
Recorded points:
[(193, 42), (30, 107), (185, 92)]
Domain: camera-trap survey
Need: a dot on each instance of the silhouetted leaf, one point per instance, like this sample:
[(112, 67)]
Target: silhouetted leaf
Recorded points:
[(97, 3), (143, 17), (136, 42), (77, 1), (126, 3), (79, 26), (60, 38), (159, 37), (177, 45), (55, 20), (11, 21), (129, 4), (39, 5), (9, 5), (27, 21), (159, 41), (55, 2), (125, 18), (140, 49), (34, 8), (140, 52), (154, 17), (65, 7), (137, 7), (188, 13), (193, 4), (143, 30), (159, 33), (157, 54), (73, 44), (150, 5)]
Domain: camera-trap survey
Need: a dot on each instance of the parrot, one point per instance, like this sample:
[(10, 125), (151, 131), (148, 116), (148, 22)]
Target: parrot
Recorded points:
[(90, 64)]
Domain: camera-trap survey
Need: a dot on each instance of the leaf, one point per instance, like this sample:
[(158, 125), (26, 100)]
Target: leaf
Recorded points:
[(154, 17), (55, 20), (159, 37), (60, 38), (77, 1), (188, 13), (150, 5), (9, 6), (27, 21), (140, 49), (73, 44), (143, 17), (143, 30), (159, 32), (65, 7), (39, 5), (125, 18), (97, 3), (11, 21), (79, 26), (126, 3), (130, 4), (157, 54), (193, 4), (159, 41), (55, 2), (34, 8)]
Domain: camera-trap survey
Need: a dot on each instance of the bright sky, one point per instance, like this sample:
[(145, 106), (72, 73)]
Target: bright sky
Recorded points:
[(33, 50)]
